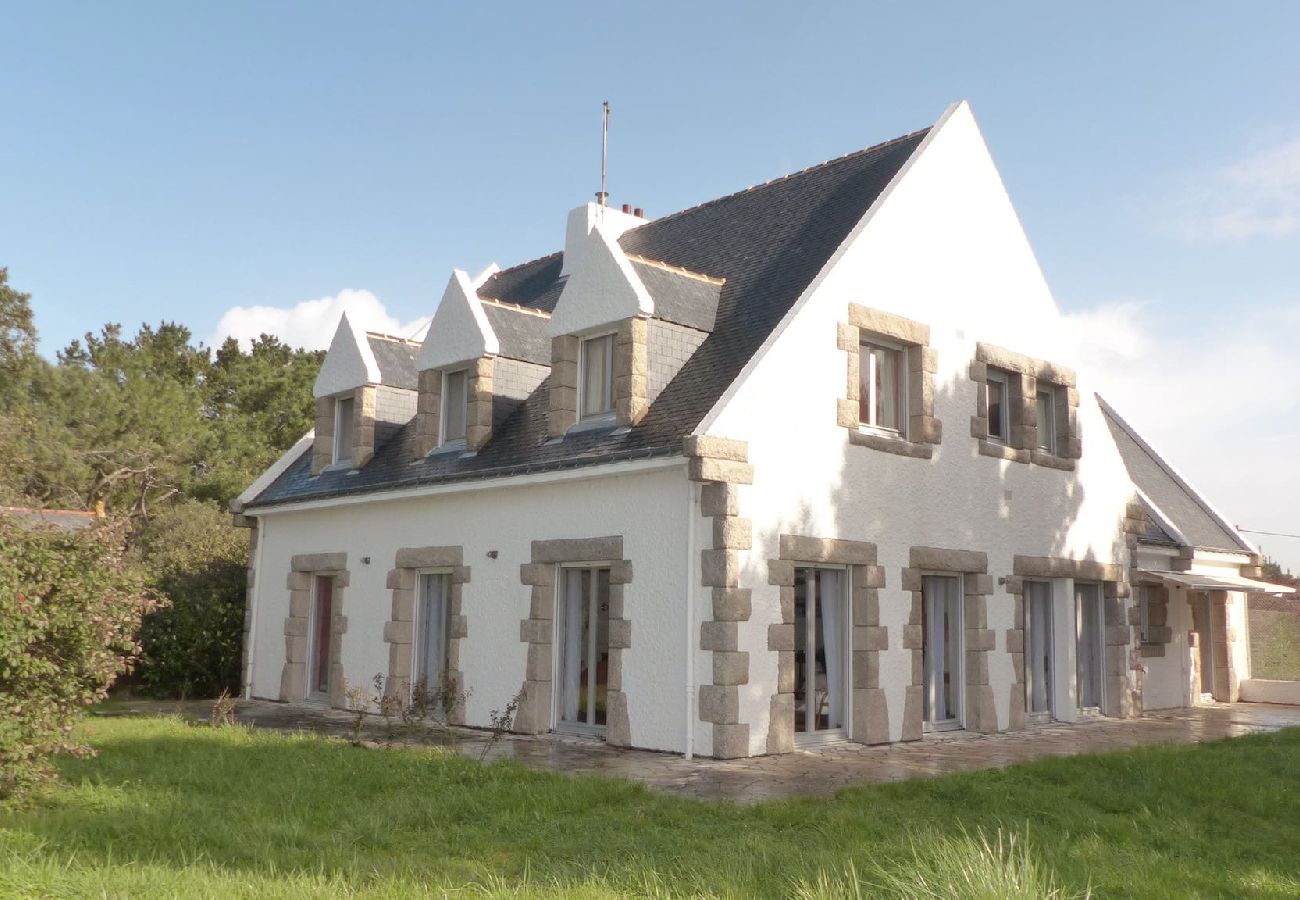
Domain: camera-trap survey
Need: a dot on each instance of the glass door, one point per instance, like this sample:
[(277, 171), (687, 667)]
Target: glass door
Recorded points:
[(583, 625), (431, 632), (941, 623), (1203, 622), (322, 615), (1038, 651), (820, 660), (1089, 630)]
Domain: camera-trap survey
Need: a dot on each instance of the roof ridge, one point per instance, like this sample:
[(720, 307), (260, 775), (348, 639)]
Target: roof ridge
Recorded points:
[(515, 307), (391, 337), (679, 270), (764, 184), (521, 265)]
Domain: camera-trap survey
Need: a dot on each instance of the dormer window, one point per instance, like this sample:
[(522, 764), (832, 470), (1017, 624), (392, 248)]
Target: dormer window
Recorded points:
[(882, 389), (343, 428), (455, 405), (596, 368)]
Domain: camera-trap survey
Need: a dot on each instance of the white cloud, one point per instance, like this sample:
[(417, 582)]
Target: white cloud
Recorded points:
[(311, 323), (1258, 195), (1218, 403)]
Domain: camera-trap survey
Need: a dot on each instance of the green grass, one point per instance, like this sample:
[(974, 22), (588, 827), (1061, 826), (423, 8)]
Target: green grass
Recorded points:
[(177, 810)]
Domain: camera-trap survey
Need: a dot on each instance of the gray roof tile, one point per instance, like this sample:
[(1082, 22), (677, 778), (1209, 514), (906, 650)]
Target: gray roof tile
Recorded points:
[(396, 359)]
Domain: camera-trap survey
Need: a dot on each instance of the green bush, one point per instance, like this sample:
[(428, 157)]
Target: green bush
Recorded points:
[(69, 611), (194, 557)]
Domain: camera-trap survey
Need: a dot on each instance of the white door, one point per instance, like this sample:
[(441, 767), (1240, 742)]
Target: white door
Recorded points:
[(943, 638), (1038, 651), (820, 657), (583, 645)]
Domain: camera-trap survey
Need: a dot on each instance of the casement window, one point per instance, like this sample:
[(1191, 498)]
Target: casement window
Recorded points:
[(344, 408), (1144, 613), (455, 405), (432, 630), (1039, 651), (1047, 420), (1089, 654), (998, 394), (596, 376), (943, 652), (882, 388)]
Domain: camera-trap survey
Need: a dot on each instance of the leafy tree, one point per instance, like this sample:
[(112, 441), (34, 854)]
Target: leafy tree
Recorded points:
[(69, 610), (17, 335)]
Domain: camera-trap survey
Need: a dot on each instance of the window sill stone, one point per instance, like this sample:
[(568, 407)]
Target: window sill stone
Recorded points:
[(889, 444)]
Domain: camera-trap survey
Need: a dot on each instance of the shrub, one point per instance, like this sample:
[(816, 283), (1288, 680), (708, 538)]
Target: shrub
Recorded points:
[(196, 559), (69, 611)]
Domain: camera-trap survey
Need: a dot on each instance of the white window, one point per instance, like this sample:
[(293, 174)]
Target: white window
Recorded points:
[(596, 376), (943, 651), (882, 386), (455, 405), (432, 629), (1047, 420), (998, 394), (820, 662), (343, 428), (582, 645), (1144, 612)]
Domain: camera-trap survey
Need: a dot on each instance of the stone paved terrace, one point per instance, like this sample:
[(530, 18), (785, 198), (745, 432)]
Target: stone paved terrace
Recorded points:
[(819, 772)]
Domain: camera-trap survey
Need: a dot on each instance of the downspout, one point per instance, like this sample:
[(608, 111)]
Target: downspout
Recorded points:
[(692, 500), (259, 532)]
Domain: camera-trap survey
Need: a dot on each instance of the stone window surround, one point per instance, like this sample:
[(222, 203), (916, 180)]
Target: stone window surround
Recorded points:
[(363, 430), (403, 582), (869, 715), (722, 466), (631, 365), (479, 375), (978, 640), (303, 570), (1117, 697), (535, 714), (924, 431), (1022, 442)]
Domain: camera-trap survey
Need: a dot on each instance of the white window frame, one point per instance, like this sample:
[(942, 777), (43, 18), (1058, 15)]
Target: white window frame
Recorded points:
[(831, 735), (870, 340), (1144, 613), (416, 624), (337, 458), (1048, 445), (1004, 414), (958, 723), (443, 441), (608, 376)]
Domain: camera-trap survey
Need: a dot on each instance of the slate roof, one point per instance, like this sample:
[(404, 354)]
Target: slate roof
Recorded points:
[(767, 242), (522, 335), (396, 359), (1178, 502), (680, 296)]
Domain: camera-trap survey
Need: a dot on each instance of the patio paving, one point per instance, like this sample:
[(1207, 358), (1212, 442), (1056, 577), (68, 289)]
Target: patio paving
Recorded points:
[(805, 773)]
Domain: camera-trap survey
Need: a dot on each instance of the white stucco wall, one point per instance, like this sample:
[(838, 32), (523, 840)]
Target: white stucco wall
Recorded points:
[(647, 507), (460, 330), (944, 247)]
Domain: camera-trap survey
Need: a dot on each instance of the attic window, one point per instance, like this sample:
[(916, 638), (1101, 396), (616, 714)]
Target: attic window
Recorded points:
[(454, 406), (596, 368), (343, 428)]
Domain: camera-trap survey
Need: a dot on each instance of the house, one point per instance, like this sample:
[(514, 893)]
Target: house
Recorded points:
[(809, 462)]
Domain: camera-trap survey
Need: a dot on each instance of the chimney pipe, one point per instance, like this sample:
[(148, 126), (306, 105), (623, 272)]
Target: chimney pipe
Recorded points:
[(639, 213), (627, 208)]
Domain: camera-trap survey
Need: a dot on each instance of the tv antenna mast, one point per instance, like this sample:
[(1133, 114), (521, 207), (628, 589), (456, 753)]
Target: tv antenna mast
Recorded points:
[(602, 196)]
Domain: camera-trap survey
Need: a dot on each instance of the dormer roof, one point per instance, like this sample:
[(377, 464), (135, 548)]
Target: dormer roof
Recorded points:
[(764, 245), (349, 363), (460, 330)]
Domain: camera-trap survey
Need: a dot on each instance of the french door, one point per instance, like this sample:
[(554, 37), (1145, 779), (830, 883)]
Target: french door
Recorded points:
[(941, 622), (583, 665), (1038, 651), (1089, 630), (318, 649), (820, 657), (432, 620)]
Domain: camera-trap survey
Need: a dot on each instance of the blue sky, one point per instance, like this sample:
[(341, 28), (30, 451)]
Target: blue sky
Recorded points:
[(181, 160)]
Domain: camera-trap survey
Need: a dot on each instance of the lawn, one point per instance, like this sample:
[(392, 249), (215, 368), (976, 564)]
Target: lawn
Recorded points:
[(180, 810)]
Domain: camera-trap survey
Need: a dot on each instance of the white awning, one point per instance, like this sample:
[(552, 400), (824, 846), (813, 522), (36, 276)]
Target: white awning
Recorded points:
[(1218, 582)]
